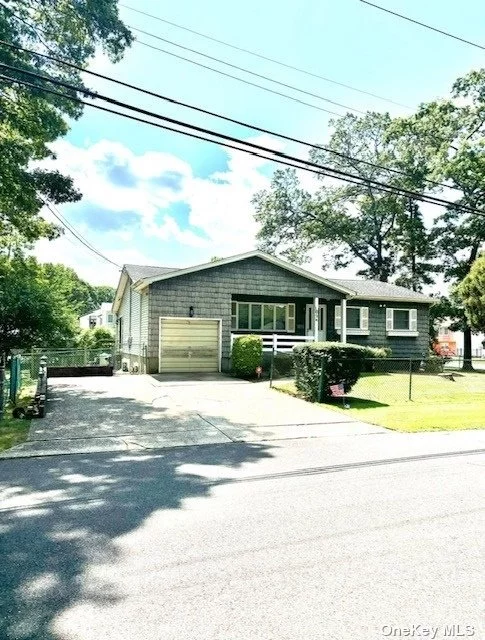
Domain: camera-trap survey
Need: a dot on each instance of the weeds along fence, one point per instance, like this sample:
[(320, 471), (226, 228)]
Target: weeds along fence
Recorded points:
[(382, 379)]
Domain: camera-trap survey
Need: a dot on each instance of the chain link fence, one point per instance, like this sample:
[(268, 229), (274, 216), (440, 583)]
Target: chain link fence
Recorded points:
[(387, 379), (66, 358)]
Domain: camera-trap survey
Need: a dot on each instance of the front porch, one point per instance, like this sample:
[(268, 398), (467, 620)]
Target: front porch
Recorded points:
[(282, 323)]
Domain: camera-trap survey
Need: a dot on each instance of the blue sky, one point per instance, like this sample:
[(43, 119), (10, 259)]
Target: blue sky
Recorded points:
[(160, 198)]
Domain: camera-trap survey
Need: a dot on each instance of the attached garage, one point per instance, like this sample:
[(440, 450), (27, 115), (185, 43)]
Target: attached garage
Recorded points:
[(190, 345)]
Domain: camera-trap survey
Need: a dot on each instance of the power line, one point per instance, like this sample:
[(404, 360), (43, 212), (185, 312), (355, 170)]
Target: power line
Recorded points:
[(217, 115), (248, 82), (336, 173), (422, 24), (263, 57), (76, 233), (388, 189), (253, 73), (358, 181), (254, 149)]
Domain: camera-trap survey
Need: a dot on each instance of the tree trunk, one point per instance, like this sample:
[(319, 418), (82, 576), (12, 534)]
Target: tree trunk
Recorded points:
[(467, 350)]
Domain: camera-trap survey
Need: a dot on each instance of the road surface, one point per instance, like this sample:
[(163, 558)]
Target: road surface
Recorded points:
[(309, 539)]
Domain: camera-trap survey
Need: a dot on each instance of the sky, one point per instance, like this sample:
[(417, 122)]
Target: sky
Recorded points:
[(155, 197)]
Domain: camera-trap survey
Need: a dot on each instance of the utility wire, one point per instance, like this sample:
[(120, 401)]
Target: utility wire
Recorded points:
[(334, 172), (76, 233), (217, 115), (253, 73), (422, 24), (248, 82), (386, 189), (263, 57), (254, 149)]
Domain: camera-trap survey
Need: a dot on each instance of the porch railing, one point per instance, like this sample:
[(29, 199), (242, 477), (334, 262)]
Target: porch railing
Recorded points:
[(274, 342)]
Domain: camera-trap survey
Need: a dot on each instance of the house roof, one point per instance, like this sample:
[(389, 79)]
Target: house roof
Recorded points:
[(138, 272), (173, 273), (143, 276), (377, 290)]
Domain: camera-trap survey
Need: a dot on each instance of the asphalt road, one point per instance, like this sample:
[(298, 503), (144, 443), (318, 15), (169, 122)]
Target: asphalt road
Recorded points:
[(322, 538)]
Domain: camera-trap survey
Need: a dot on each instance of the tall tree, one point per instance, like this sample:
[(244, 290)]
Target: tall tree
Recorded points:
[(79, 295), (32, 312), (472, 292), (31, 119), (103, 293), (451, 134), (386, 232)]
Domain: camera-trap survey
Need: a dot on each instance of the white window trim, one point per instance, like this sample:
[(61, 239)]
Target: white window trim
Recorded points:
[(402, 333), (353, 331), (290, 316)]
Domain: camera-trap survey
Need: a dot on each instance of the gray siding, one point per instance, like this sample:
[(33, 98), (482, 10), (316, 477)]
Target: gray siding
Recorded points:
[(401, 347), (134, 324), (144, 320), (124, 317), (210, 292)]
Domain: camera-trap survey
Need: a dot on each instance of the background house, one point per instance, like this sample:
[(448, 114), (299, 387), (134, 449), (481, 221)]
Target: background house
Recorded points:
[(450, 342), (173, 320), (102, 317)]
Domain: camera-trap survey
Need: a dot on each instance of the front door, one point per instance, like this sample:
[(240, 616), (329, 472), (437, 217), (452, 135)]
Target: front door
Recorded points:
[(322, 321)]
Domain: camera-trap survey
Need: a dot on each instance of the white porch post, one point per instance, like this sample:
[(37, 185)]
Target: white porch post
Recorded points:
[(315, 319), (343, 321)]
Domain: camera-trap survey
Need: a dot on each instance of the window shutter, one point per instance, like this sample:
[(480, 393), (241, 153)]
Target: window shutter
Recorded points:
[(290, 313), (389, 319), (338, 317), (364, 318), (413, 319)]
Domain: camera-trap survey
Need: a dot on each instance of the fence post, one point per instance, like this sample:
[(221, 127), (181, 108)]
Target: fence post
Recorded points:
[(2, 384), (410, 378), (271, 369), (275, 342), (15, 372), (321, 382)]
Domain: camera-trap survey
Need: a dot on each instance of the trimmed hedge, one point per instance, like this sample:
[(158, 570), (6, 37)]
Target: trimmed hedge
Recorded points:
[(247, 354), (375, 354), (378, 352), (343, 363)]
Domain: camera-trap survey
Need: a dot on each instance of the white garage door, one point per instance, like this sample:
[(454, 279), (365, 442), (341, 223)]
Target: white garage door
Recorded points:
[(189, 344)]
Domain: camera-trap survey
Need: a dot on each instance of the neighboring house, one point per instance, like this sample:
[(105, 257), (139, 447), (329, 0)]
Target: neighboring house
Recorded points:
[(176, 320), (102, 317), (450, 343)]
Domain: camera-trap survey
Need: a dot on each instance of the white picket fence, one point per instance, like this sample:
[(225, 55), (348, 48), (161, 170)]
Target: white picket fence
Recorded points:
[(277, 341)]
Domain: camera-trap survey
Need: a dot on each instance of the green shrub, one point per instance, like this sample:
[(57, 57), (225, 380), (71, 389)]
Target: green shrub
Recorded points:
[(373, 354), (379, 352), (343, 363), (247, 354), (434, 364), (283, 364)]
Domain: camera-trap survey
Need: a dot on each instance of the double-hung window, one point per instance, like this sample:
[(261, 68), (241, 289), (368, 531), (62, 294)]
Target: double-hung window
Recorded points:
[(357, 320), (263, 316), (402, 322)]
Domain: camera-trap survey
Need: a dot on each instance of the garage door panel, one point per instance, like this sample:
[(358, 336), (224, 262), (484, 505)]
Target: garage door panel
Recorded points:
[(189, 345)]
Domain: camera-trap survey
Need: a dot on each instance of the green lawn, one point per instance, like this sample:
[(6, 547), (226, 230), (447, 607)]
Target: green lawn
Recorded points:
[(437, 404), (13, 431)]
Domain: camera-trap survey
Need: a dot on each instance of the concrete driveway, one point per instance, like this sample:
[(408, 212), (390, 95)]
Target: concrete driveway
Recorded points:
[(147, 412)]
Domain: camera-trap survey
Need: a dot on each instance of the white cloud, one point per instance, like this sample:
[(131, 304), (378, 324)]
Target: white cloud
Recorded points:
[(114, 179)]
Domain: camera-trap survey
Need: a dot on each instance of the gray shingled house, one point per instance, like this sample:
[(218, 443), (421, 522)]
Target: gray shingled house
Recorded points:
[(180, 320)]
